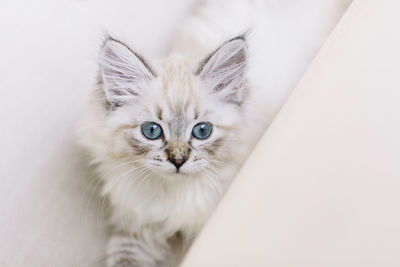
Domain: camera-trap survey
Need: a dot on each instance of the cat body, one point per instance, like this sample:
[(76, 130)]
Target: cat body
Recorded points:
[(166, 186)]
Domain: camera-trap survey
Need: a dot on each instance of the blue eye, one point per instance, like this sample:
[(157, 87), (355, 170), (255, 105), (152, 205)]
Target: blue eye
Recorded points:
[(202, 130), (152, 130)]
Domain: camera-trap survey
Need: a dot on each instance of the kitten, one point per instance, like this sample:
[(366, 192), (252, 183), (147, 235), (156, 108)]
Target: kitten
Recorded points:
[(166, 139)]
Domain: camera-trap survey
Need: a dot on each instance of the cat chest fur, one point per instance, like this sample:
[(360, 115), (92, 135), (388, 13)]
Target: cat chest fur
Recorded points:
[(183, 206)]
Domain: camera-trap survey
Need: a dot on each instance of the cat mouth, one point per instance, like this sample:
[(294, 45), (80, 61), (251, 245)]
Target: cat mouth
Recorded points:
[(179, 173), (175, 173)]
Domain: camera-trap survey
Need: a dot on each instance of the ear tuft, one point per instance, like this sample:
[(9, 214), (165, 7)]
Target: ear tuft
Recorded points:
[(224, 70), (124, 73)]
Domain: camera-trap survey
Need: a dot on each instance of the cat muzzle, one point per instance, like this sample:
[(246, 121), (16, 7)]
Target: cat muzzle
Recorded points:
[(178, 155)]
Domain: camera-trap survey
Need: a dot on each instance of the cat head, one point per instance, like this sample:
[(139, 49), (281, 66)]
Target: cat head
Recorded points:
[(173, 119)]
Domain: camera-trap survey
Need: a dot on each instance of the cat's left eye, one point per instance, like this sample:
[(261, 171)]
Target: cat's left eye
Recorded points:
[(152, 130), (202, 130)]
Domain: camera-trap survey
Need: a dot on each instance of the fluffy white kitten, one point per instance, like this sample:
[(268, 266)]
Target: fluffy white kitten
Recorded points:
[(167, 139)]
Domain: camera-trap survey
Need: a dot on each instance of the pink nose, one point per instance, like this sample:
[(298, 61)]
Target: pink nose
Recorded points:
[(178, 162)]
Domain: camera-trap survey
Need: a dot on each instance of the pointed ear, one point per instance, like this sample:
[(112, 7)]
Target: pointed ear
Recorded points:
[(224, 71), (124, 73)]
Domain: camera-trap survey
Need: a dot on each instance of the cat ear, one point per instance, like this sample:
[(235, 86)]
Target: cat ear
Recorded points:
[(224, 71), (124, 73)]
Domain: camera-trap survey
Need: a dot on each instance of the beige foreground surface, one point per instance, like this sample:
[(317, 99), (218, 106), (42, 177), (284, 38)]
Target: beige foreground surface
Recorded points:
[(322, 187)]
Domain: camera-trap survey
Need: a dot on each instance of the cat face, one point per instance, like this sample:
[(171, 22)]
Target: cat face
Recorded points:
[(174, 119)]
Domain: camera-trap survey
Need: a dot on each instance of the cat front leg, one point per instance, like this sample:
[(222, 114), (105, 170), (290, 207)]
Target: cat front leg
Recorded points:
[(142, 249)]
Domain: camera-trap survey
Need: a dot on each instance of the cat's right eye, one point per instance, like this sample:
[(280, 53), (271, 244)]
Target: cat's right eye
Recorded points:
[(152, 130)]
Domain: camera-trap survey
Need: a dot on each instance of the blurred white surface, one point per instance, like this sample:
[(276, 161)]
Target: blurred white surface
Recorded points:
[(322, 187)]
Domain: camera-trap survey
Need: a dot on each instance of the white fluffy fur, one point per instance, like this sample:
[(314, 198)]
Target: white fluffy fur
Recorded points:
[(150, 202)]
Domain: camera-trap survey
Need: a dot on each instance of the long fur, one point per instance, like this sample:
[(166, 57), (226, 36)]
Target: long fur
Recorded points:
[(151, 203)]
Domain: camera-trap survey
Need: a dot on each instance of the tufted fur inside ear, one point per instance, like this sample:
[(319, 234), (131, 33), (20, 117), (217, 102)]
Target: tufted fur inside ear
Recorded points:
[(224, 71), (124, 73)]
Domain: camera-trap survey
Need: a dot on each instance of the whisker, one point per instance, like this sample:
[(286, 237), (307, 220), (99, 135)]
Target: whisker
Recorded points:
[(211, 179), (111, 185)]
